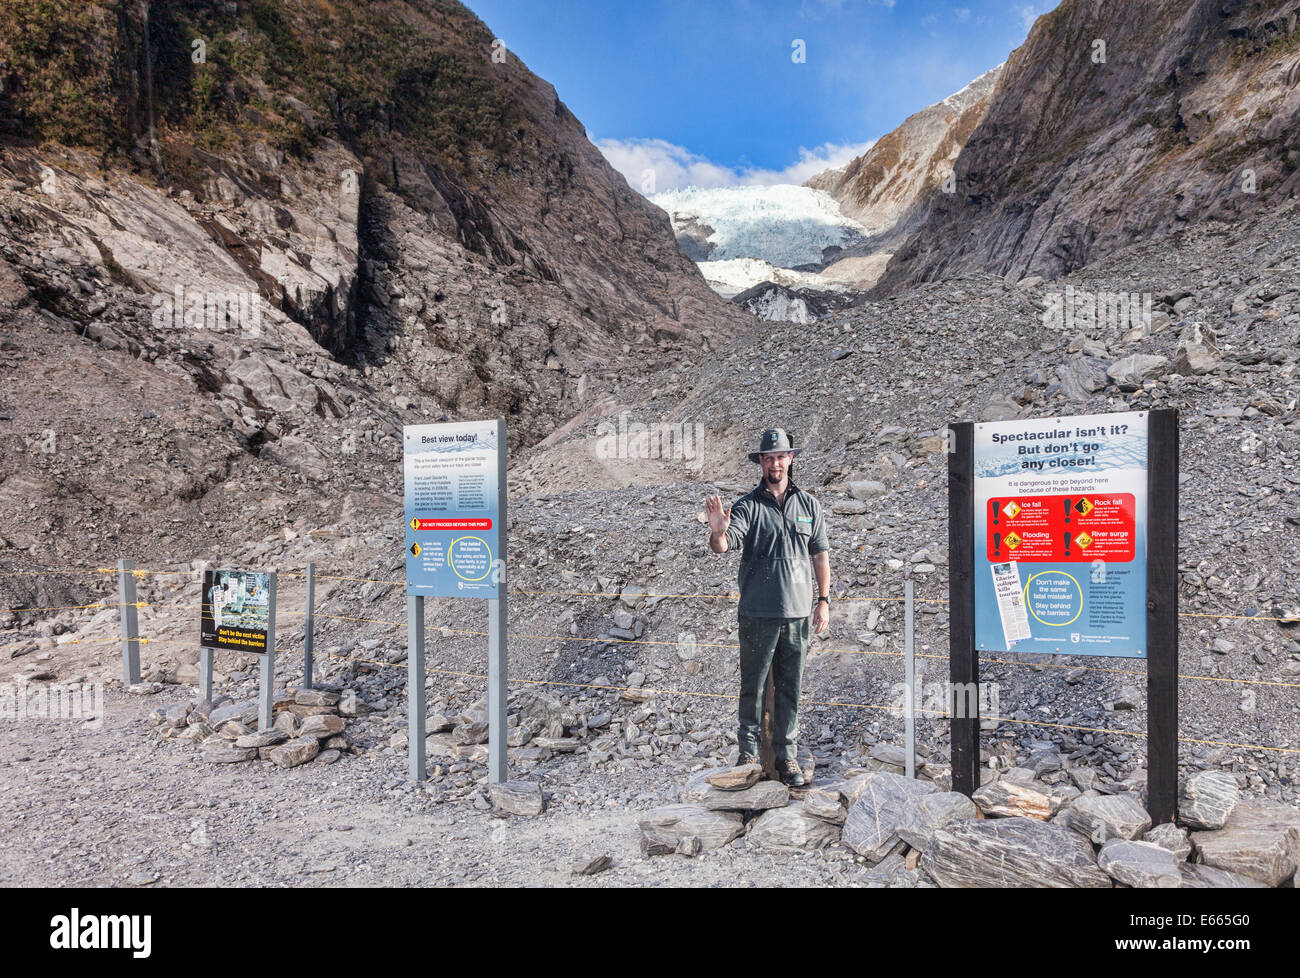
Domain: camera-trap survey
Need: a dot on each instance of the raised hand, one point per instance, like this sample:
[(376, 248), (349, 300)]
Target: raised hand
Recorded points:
[(719, 518)]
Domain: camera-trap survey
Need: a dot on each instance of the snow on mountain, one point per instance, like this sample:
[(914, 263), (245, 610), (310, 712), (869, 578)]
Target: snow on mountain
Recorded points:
[(783, 224)]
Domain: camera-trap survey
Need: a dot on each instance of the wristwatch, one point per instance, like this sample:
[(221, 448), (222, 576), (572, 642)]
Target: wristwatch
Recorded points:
[(822, 597)]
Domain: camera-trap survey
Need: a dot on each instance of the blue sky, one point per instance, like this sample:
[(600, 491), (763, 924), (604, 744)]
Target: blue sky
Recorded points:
[(706, 92)]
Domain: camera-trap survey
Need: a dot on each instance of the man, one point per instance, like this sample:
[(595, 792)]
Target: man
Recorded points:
[(782, 530)]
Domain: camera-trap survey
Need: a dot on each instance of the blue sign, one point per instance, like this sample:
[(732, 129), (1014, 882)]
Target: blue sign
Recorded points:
[(1060, 535), (454, 476)]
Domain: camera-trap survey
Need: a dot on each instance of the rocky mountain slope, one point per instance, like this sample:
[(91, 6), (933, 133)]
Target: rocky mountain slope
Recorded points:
[(407, 224), (1115, 122), (888, 188)]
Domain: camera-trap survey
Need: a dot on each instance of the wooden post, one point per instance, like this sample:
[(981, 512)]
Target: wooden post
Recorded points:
[(1162, 615), (963, 662), (766, 753)]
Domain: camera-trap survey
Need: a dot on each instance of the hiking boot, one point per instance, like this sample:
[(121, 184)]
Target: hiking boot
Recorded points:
[(744, 759), (791, 774)]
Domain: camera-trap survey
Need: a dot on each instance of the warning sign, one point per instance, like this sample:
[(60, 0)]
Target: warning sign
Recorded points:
[(1062, 501)]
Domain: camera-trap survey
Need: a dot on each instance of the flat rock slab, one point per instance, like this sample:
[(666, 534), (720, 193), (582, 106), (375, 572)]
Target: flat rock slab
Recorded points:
[(1011, 852), (262, 738), (871, 828), (929, 813), (714, 829), (1260, 840), (736, 778), (763, 795), (518, 797), (245, 712), (1141, 864), (315, 697), (1207, 799), (1032, 799), (557, 745), (223, 753), (321, 726), (792, 828), (300, 750), (1107, 817)]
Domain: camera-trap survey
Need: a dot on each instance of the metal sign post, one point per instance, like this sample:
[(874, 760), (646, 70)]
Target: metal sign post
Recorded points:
[(454, 484), (130, 624), (1162, 617), (963, 663), (267, 676), (415, 747), (309, 629)]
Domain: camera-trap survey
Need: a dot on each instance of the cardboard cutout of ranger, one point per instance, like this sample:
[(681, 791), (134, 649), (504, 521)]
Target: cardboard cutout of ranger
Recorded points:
[(783, 533)]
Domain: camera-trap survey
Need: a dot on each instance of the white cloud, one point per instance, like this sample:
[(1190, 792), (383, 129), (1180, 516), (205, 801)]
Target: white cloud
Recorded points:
[(654, 166), (1030, 12)]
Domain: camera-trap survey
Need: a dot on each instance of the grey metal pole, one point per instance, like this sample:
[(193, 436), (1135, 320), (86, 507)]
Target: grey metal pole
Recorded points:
[(909, 708), (497, 689), (415, 688), (497, 664), (205, 675), (265, 691), (130, 623), (311, 621)]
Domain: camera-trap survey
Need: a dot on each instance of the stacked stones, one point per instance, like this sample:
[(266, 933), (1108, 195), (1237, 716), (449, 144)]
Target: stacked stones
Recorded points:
[(1017, 830), (308, 726)]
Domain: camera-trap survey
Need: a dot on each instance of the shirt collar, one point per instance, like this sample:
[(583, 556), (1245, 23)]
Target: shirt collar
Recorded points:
[(790, 489)]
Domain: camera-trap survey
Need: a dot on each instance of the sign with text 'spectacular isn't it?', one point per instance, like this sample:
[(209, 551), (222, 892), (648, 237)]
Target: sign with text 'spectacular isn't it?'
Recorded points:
[(1060, 535), (454, 484)]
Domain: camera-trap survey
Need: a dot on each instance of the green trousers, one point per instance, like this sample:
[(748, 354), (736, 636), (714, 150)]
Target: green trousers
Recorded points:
[(779, 644)]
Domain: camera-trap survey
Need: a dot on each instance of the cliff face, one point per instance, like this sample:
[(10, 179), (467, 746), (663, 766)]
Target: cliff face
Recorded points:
[(384, 175), (1191, 113), (242, 243), (888, 188)]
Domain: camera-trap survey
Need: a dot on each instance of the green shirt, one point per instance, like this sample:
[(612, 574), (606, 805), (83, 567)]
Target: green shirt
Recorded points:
[(775, 577)]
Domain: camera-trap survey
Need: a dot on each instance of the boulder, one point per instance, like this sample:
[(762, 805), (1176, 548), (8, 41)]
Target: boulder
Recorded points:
[(826, 805), (518, 797), (1031, 798), (262, 738), (792, 828), (220, 752), (928, 813), (714, 829), (871, 827), (1129, 372), (1197, 352), (300, 750), (735, 778), (1260, 840), (763, 795), (1171, 837), (1106, 817), (321, 727), (1010, 852), (1207, 799), (1142, 864)]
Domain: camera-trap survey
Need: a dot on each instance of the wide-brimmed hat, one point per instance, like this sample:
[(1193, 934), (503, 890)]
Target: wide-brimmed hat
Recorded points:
[(774, 440)]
